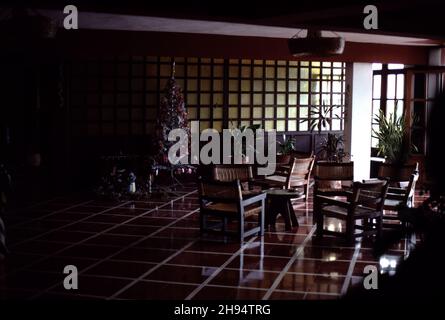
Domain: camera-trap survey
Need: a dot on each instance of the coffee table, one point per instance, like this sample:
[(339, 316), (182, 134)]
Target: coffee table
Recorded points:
[(279, 201)]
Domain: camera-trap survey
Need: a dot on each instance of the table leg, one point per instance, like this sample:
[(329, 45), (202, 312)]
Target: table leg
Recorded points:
[(284, 210), (271, 213), (292, 215)]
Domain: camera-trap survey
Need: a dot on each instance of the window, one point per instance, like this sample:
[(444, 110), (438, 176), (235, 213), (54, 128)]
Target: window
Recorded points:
[(388, 92), (279, 94), (121, 95)]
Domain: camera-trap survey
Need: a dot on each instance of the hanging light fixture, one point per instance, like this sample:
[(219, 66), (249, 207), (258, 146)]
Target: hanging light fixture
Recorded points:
[(315, 44)]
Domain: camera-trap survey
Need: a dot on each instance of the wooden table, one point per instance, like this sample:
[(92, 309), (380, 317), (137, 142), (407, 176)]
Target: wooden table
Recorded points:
[(279, 201)]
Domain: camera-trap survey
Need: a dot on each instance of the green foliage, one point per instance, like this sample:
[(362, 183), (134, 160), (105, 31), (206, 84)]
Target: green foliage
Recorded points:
[(321, 117), (287, 146), (391, 137), (332, 148), (237, 132)]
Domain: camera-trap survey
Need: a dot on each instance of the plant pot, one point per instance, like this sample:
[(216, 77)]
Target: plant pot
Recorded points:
[(283, 158)]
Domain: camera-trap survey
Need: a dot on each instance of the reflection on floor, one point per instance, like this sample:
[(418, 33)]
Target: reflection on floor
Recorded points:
[(152, 250)]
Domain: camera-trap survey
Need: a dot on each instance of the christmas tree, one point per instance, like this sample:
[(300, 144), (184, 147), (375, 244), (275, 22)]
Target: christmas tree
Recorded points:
[(172, 115)]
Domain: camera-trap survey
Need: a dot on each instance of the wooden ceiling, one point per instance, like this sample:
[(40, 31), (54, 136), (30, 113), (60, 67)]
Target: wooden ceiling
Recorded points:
[(396, 17)]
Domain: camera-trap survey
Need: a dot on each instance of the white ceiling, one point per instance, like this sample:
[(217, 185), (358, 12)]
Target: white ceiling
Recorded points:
[(105, 21)]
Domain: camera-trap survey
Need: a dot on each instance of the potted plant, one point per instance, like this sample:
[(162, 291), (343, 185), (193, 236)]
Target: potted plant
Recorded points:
[(321, 116), (392, 144), (332, 148), (285, 150), (237, 132)]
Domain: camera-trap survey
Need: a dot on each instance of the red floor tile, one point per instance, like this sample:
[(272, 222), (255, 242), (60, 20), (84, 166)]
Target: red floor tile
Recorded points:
[(223, 293), (120, 269), (147, 290), (256, 279), (112, 261), (181, 274)]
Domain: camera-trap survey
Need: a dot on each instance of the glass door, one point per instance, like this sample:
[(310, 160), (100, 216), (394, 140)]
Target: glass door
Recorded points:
[(423, 86)]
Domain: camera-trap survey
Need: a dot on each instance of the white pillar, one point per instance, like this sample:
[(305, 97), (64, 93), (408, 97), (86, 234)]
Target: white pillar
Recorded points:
[(358, 117), (435, 57)]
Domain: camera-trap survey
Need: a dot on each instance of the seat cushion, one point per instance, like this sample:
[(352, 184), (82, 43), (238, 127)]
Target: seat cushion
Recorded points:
[(280, 179), (231, 208), (359, 211), (335, 209)]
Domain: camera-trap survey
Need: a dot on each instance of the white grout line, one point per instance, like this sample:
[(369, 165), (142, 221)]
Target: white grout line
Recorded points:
[(141, 277), (211, 285), (219, 269), (61, 250), (130, 218), (347, 281), (49, 214), (288, 265), (88, 238), (117, 252), (93, 275), (67, 225)]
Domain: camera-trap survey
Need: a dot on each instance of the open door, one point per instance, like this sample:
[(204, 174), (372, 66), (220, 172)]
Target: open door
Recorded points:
[(423, 85)]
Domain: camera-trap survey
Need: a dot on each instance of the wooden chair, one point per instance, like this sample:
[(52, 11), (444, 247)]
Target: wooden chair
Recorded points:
[(402, 179), (232, 172), (296, 176), (333, 178), (227, 201), (365, 203)]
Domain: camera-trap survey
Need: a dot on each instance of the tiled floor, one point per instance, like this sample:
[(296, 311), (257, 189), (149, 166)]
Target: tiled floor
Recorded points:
[(152, 250)]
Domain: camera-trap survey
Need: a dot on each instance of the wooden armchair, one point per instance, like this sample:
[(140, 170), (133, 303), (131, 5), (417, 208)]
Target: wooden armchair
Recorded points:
[(232, 172), (402, 179), (226, 200), (365, 203), (296, 176), (333, 178)]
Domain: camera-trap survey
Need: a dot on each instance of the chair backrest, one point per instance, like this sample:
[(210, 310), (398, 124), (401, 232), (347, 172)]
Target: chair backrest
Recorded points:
[(232, 172), (219, 191), (397, 173), (343, 171), (411, 189), (300, 171), (370, 194)]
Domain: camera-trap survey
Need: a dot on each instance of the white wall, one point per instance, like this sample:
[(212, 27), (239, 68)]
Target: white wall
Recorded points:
[(358, 117)]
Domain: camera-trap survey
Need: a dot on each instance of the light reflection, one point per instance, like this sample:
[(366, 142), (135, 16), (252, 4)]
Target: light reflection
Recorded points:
[(332, 257), (388, 264)]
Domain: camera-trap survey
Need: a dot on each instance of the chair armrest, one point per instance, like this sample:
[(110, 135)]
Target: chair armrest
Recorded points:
[(397, 190), (395, 196), (370, 180), (256, 198), (328, 200)]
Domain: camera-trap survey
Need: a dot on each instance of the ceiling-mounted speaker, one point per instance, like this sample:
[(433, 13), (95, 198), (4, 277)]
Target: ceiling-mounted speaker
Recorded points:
[(315, 44)]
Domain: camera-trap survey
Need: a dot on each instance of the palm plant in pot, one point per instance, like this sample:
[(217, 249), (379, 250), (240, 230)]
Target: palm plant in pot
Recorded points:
[(246, 148), (332, 148), (285, 149), (392, 144)]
